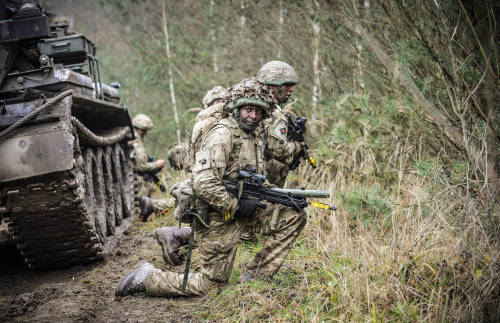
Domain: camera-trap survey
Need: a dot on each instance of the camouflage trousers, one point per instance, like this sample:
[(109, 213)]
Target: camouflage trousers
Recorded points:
[(146, 188), (218, 245), (162, 204)]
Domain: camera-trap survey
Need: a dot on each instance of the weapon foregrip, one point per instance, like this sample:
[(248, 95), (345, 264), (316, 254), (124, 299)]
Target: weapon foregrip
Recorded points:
[(304, 193)]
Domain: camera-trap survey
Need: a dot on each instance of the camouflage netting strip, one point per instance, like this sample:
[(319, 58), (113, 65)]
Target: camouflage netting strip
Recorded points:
[(250, 88), (116, 135), (35, 112)]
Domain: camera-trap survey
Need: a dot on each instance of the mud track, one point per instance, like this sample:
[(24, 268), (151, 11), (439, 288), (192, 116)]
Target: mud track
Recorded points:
[(86, 293)]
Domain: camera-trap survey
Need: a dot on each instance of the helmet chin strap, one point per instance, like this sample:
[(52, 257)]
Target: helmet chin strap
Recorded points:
[(244, 126)]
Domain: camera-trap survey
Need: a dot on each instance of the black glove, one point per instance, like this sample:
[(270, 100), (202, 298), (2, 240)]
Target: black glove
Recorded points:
[(246, 209)]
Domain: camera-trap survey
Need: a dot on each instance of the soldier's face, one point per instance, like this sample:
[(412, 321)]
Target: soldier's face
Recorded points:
[(283, 93), (216, 101), (251, 115), (141, 132)]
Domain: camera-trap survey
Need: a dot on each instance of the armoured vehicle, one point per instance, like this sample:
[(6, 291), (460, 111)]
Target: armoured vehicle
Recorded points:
[(66, 180)]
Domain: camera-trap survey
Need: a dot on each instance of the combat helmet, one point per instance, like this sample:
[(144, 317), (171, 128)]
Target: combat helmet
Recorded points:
[(142, 121), (249, 92), (217, 92), (277, 73)]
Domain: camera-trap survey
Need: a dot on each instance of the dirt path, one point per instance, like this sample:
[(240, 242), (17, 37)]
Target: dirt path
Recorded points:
[(86, 293)]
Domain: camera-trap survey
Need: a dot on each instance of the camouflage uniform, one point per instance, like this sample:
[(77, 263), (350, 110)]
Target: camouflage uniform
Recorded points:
[(204, 121), (142, 166), (146, 188), (178, 157), (279, 151), (226, 149)]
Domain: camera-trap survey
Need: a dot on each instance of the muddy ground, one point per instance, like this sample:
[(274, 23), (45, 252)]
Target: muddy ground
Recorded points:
[(86, 293)]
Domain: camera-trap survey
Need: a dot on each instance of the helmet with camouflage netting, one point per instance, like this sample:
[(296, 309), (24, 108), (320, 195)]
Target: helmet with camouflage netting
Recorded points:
[(277, 73), (249, 92), (142, 121), (217, 92)]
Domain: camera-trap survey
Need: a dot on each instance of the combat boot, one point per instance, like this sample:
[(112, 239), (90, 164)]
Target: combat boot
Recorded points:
[(135, 281), (170, 240), (146, 208)]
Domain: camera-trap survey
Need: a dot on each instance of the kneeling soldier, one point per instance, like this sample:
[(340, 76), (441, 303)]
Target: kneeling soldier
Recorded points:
[(234, 143)]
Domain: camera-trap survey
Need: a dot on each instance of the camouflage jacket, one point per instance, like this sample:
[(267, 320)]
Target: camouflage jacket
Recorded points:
[(225, 150), (141, 157), (213, 111), (278, 146), (204, 122)]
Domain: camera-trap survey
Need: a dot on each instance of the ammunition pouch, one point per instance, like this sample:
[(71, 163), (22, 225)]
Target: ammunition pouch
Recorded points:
[(187, 205)]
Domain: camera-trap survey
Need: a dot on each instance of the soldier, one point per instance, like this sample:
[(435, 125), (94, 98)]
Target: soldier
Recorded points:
[(172, 238), (178, 157), (281, 78), (142, 124), (233, 143), (213, 103)]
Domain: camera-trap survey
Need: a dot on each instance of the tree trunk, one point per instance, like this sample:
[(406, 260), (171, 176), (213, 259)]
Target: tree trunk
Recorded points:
[(170, 76), (281, 21), (359, 78), (213, 36), (316, 90), (243, 18)]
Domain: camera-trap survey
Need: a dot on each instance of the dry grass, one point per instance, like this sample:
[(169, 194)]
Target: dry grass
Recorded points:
[(420, 250)]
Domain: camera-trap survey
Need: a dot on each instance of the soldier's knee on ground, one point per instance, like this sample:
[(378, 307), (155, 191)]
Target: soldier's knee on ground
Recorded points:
[(165, 283)]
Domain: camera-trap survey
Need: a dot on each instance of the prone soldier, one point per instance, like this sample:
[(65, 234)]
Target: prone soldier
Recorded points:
[(233, 144)]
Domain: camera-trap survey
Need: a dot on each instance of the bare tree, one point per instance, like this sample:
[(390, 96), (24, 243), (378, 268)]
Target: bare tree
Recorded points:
[(213, 37), (281, 21), (316, 90), (170, 76)]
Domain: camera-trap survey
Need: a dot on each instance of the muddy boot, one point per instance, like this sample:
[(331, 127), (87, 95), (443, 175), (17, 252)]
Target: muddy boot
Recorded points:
[(135, 281), (245, 278), (170, 240), (146, 208)]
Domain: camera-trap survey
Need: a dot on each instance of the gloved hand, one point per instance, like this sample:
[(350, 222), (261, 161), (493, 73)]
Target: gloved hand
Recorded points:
[(246, 209)]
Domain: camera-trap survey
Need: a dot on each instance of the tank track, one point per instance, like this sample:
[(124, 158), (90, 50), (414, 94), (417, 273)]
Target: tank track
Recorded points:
[(74, 216)]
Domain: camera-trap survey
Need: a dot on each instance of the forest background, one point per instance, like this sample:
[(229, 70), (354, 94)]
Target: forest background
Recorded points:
[(402, 99)]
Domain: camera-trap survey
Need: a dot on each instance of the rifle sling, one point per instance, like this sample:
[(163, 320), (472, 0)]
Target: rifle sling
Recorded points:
[(190, 250)]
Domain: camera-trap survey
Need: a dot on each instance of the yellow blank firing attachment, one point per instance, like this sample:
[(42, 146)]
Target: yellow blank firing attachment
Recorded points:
[(323, 206), (312, 162)]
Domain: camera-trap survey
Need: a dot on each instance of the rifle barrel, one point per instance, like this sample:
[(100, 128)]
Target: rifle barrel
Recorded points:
[(307, 193)]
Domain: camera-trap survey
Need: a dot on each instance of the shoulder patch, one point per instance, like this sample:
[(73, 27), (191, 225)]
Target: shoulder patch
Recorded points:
[(202, 161), (283, 131)]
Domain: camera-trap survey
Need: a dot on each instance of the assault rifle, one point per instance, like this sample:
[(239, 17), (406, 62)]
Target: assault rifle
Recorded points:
[(250, 185), (296, 131)]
